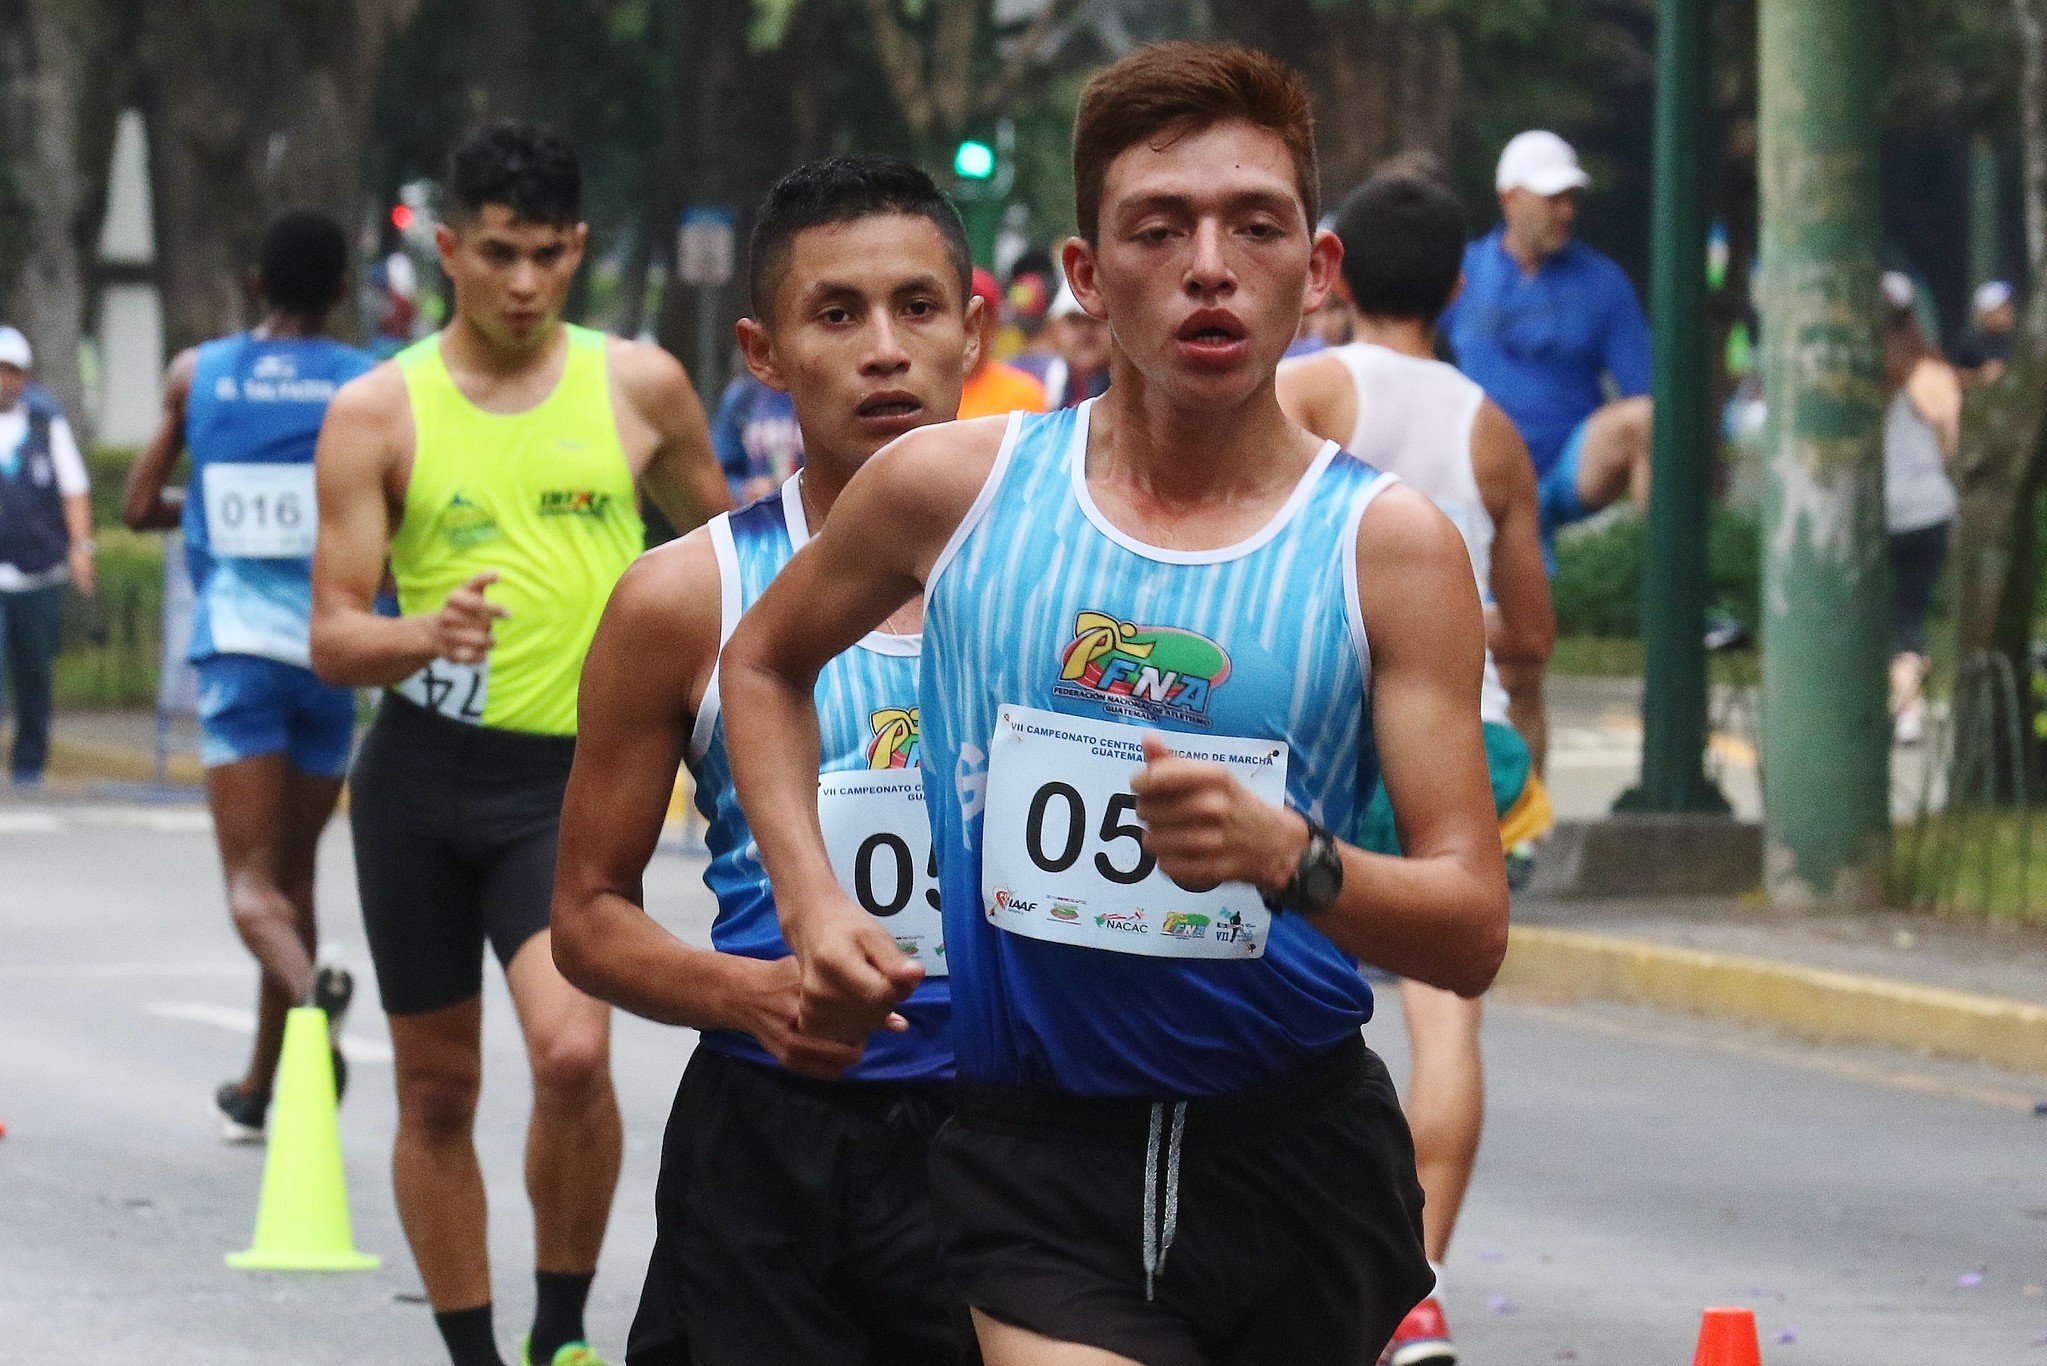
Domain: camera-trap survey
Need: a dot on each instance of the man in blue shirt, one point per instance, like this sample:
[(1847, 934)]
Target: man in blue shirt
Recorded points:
[(1542, 324)]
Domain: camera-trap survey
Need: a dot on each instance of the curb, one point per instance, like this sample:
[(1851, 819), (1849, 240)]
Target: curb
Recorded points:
[(1810, 1003), (90, 759)]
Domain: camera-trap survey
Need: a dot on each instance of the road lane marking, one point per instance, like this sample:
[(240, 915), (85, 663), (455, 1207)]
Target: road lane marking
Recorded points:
[(239, 1021), (61, 971), (164, 820)]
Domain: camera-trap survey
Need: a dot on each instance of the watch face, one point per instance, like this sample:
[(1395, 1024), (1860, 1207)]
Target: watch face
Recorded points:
[(1321, 877)]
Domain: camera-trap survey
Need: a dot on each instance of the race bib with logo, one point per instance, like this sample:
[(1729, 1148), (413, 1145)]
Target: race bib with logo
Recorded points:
[(456, 691), (1062, 850), (260, 512), (879, 839)]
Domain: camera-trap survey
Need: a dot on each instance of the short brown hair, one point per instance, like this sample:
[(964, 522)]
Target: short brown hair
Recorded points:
[(1178, 88)]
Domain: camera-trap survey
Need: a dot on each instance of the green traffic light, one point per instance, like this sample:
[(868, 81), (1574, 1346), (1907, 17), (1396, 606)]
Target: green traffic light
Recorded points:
[(974, 160)]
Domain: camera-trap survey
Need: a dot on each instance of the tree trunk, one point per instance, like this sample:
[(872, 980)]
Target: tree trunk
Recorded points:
[(252, 112), (1386, 79), (46, 47)]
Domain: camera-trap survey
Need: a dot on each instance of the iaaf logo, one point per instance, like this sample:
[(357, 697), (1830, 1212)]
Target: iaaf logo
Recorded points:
[(1145, 671), (1005, 902), (1124, 922)]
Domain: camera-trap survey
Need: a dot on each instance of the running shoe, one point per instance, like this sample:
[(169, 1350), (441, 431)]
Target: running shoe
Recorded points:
[(333, 989), (1422, 1339), (241, 1113), (568, 1354)]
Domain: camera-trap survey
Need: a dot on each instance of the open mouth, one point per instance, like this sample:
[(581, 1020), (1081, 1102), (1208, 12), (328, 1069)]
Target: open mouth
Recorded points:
[(889, 407), (1212, 327)]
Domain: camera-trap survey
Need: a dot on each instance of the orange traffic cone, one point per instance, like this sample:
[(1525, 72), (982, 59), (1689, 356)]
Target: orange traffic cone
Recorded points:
[(1727, 1337)]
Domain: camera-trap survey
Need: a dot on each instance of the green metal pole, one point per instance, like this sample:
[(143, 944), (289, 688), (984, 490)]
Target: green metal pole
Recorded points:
[(1826, 577), (1680, 479), (1983, 235)]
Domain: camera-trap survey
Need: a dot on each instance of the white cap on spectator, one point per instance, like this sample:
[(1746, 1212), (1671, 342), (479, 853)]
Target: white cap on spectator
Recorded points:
[(1991, 295), (14, 349), (1898, 289), (1540, 162), (1065, 305)]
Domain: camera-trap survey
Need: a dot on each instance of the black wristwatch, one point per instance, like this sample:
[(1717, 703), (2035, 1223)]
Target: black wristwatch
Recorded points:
[(1317, 879)]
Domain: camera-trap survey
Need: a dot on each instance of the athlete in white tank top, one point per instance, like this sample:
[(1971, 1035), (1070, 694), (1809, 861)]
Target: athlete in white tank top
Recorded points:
[(1415, 419)]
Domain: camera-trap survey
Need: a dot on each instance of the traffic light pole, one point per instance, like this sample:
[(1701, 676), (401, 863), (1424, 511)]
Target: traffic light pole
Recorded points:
[(1680, 491), (1825, 577)]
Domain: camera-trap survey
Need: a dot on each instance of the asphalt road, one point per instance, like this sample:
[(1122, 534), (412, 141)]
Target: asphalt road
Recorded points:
[(1876, 1209)]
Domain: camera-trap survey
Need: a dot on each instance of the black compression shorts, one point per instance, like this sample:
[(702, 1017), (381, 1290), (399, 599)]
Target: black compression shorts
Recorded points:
[(794, 1228), (1280, 1227), (455, 829)]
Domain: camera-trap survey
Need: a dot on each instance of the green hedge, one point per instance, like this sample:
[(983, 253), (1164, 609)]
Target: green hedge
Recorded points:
[(1598, 585)]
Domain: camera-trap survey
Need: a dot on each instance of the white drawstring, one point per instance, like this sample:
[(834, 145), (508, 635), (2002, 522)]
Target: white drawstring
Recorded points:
[(1158, 1233)]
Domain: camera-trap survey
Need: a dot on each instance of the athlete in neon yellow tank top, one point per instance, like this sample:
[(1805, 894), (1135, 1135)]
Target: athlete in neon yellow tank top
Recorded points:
[(493, 468), (544, 500)]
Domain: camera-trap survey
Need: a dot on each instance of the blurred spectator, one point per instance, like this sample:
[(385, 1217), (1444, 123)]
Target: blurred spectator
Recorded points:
[(993, 386), (1330, 325), (1543, 323), (1080, 369), (1922, 429), (1983, 350), (45, 541), (1022, 340), (755, 437), (396, 281)]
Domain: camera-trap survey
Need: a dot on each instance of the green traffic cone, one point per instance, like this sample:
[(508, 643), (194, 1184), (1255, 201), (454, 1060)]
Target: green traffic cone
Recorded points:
[(302, 1221)]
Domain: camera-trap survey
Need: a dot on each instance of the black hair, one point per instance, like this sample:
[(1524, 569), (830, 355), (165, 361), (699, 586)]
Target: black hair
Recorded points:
[(1403, 245), (840, 190), (305, 256), (522, 166)]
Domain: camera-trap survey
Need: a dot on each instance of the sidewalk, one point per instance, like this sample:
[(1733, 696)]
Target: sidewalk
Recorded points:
[(89, 747)]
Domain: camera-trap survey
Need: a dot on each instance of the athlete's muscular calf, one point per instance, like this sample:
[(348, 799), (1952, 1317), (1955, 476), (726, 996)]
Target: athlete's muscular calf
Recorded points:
[(642, 684)]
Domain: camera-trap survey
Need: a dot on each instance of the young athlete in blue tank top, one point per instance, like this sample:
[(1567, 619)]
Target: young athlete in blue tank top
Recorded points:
[(1154, 629), (246, 410), (793, 1204)]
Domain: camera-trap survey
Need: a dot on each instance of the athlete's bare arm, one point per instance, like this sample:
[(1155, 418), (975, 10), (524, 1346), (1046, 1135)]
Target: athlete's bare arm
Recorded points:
[(1318, 393), (873, 555), (1438, 915), (642, 684), (146, 504), (661, 409), (360, 468), (1527, 622)]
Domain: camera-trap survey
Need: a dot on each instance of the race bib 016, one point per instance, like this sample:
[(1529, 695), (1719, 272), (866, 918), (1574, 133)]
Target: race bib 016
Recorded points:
[(1062, 849), (260, 512), (456, 691), (879, 839)]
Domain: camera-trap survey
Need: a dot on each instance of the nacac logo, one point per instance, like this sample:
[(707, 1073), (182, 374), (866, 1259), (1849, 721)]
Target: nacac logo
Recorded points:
[(896, 742), (574, 503), (1005, 902), (1123, 922), (1143, 671)]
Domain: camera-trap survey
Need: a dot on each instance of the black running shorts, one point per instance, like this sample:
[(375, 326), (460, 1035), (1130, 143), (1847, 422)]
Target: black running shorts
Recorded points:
[(794, 1226), (455, 829), (1280, 1227)]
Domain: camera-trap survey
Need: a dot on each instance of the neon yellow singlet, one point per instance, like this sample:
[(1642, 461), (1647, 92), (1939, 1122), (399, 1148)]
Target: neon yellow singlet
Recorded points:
[(542, 497)]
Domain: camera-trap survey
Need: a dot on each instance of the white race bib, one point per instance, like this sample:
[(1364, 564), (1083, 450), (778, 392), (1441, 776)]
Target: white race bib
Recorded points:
[(456, 691), (261, 512), (1062, 856), (879, 839)]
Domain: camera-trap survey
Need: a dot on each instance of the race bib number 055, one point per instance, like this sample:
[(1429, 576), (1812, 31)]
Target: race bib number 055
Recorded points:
[(879, 839), (1063, 856), (260, 512), (456, 691)]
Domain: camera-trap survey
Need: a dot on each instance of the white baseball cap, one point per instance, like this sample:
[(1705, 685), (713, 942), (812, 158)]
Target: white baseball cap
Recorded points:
[(1064, 305), (1991, 295), (1899, 291), (1540, 162), (14, 349)]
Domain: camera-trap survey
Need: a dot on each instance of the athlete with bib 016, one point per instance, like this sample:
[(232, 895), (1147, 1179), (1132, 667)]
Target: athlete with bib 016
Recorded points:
[(1387, 397), (494, 465), (1153, 626), (794, 1206), (274, 739)]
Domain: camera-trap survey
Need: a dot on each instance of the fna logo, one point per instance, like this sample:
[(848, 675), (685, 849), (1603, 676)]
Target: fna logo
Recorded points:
[(1141, 671), (897, 741)]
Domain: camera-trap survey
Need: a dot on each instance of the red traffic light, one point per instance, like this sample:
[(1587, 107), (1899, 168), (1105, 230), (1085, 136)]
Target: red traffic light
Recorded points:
[(401, 216)]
